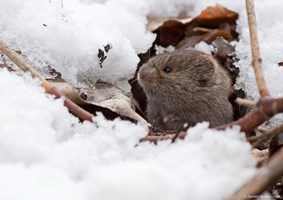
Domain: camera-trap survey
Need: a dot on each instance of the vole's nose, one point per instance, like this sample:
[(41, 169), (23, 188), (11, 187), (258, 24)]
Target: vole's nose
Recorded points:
[(141, 75)]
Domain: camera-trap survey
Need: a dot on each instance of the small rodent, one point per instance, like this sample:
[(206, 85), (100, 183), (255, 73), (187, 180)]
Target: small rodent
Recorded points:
[(185, 87)]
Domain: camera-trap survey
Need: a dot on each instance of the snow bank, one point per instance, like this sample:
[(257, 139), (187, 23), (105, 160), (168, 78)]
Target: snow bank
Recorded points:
[(68, 34), (46, 154)]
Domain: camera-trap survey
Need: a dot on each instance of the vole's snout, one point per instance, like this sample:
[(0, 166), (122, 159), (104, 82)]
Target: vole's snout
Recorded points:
[(142, 76)]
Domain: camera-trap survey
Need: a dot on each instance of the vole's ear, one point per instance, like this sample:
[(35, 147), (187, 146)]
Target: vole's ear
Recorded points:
[(204, 71)]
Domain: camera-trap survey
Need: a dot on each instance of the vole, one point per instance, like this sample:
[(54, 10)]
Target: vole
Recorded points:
[(185, 87)]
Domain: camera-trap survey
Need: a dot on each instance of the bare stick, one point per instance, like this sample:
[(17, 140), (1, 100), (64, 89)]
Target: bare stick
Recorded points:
[(267, 135), (257, 62), (265, 109), (155, 139), (20, 62), (245, 102), (262, 129), (266, 177)]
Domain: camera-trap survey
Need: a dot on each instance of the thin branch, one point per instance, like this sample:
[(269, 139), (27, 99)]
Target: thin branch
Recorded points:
[(265, 178), (265, 109), (154, 139), (20, 62), (257, 62), (262, 157), (245, 102), (262, 129), (275, 131)]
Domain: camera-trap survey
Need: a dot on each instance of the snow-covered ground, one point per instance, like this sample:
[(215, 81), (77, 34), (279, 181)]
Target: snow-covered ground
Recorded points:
[(45, 153)]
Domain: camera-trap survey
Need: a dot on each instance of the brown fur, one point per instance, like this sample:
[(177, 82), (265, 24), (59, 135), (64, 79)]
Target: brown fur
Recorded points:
[(196, 90)]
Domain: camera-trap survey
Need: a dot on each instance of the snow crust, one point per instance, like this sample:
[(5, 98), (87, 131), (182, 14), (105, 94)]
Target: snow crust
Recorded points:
[(45, 153)]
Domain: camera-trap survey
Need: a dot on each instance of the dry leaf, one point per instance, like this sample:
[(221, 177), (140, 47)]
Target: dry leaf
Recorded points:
[(67, 90), (104, 98), (217, 33), (155, 23), (211, 23), (169, 32), (215, 15), (108, 96)]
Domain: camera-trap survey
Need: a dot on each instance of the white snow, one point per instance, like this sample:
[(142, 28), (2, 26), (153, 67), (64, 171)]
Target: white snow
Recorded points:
[(45, 153), (68, 34), (204, 47)]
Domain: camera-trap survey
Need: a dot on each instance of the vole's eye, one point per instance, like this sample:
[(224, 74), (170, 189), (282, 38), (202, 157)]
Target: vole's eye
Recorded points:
[(167, 70)]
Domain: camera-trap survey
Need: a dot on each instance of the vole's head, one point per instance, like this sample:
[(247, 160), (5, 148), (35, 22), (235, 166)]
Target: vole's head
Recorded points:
[(187, 69)]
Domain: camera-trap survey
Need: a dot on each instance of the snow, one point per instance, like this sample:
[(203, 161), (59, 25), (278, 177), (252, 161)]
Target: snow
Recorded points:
[(68, 34), (45, 153), (36, 182), (270, 32), (204, 47)]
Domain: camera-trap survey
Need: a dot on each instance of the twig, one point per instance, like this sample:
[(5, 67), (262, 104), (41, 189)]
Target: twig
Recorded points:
[(266, 177), (262, 156), (257, 62), (264, 110), (20, 62), (262, 129), (201, 29), (245, 102), (259, 139), (154, 139)]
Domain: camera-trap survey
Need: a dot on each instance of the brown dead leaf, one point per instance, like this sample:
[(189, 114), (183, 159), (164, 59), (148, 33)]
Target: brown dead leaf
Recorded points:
[(213, 22), (214, 15), (208, 36), (280, 64), (169, 31), (217, 20), (155, 23), (189, 41), (217, 33)]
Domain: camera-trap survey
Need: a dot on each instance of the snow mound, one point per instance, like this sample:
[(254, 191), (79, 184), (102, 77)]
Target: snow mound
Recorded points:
[(45, 153), (68, 34)]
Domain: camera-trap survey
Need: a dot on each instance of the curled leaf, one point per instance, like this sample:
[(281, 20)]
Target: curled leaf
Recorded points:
[(103, 97)]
